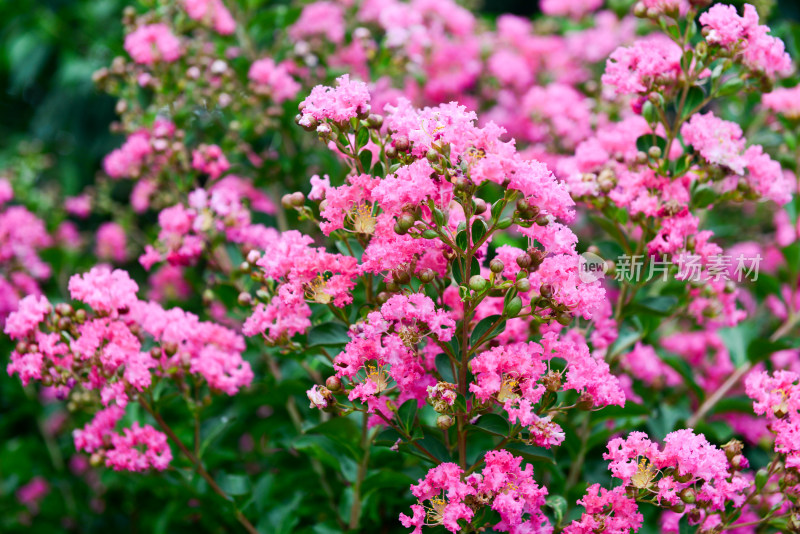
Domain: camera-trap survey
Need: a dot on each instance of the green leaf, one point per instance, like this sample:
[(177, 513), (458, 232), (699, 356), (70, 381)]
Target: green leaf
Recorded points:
[(388, 437), (531, 453), (362, 138), (365, 158), (731, 86), (478, 230), (703, 197), (646, 141), (235, 485), (483, 327), (660, 305), (211, 430), (558, 505), (436, 448), (461, 240), (444, 368), (737, 340), (330, 333), (493, 424), (407, 413), (694, 98)]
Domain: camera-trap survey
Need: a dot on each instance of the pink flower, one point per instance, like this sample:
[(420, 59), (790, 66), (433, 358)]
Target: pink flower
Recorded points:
[(213, 13), (719, 141), (347, 100), (785, 101), (6, 191), (600, 504), (125, 453), (273, 80), (643, 363), (111, 242), (319, 19), (79, 206), (574, 9), (210, 160), (32, 311), (748, 40), (104, 290), (153, 42), (634, 69)]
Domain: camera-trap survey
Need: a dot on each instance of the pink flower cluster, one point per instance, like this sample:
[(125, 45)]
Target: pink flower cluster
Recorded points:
[(104, 352), (607, 511), (22, 238), (503, 485), (349, 99), (211, 12), (516, 376), (143, 152), (777, 396), (273, 80), (385, 348), (720, 142), (186, 231), (746, 38), (634, 69), (784, 101), (687, 470), (210, 159), (304, 274), (151, 43)]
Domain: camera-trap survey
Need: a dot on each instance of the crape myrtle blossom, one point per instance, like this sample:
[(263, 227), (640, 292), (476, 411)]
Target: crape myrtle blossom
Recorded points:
[(517, 377), (687, 463), (600, 504), (445, 497), (777, 396), (746, 39), (273, 79), (305, 275), (211, 12), (104, 352), (721, 144), (384, 349), (151, 43), (785, 101)]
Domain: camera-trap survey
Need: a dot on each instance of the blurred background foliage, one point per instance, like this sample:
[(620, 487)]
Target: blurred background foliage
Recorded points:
[(54, 132)]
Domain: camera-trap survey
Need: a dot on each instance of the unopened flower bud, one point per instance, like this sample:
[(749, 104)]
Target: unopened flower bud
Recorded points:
[(688, 495), (297, 199), (524, 285), (585, 401), (524, 261), (732, 448), (640, 10), (546, 291), (654, 152), (333, 383), (478, 283), (401, 143), (406, 221), (564, 318), (432, 156), (479, 206), (245, 299), (427, 275), (496, 266), (444, 422), (80, 316), (391, 152), (552, 381), (401, 277), (63, 309), (375, 120), (542, 220)]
